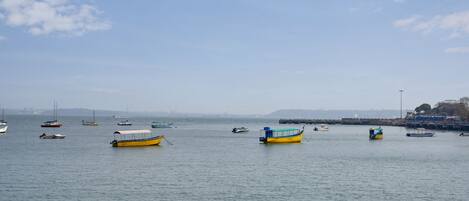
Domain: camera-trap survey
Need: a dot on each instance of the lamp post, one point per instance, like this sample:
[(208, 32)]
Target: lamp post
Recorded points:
[(401, 91)]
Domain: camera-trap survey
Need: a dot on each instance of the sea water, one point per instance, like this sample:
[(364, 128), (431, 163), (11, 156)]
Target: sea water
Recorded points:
[(208, 162)]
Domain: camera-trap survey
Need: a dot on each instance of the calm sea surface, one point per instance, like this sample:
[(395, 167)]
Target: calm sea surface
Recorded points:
[(208, 162)]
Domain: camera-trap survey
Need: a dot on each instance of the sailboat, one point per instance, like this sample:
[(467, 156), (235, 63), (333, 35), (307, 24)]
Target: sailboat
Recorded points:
[(3, 123), (54, 123), (90, 123), (125, 122)]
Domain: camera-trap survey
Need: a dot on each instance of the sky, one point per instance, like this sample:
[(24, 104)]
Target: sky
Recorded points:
[(233, 56)]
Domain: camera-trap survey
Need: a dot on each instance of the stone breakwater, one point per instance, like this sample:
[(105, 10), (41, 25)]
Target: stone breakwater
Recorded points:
[(438, 125)]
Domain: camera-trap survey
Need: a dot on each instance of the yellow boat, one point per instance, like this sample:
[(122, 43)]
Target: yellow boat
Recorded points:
[(288, 135), (135, 138), (376, 133)]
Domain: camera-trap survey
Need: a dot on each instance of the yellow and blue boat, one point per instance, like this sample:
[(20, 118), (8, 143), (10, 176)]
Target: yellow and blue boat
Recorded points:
[(136, 138), (376, 133), (287, 135)]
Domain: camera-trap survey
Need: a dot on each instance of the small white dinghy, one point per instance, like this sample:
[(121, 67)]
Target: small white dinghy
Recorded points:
[(322, 127), (421, 132), (52, 136)]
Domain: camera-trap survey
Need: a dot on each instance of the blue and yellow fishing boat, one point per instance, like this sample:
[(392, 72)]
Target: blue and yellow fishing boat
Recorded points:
[(376, 133), (287, 135), (135, 138)]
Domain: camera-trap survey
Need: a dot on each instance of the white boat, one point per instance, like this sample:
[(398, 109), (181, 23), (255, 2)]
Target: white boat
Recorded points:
[(52, 136), (124, 123), (421, 132), (3, 129), (322, 127), (156, 124), (3, 123), (240, 130), (464, 134)]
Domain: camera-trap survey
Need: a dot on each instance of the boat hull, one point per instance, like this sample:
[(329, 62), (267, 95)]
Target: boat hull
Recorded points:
[(48, 137), (419, 134), (154, 126), (137, 143), (286, 139), (376, 137), (51, 126)]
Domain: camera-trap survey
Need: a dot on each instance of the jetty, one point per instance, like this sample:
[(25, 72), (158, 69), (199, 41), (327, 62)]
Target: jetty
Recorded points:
[(440, 124)]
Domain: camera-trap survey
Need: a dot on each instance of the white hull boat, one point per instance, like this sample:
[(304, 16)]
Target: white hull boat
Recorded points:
[(421, 132), (52, 136), (3, 129)]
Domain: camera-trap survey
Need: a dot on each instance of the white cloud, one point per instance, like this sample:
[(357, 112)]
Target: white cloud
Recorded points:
[(456, 23), (2, 38), (406, 22), (457, 50), (399, 1), (52, 16)]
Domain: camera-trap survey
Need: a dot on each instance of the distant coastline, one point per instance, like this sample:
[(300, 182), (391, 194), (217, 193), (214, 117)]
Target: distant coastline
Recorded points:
[(284, 113)]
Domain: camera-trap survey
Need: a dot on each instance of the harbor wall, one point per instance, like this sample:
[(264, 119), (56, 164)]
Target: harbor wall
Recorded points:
[(437, 125)]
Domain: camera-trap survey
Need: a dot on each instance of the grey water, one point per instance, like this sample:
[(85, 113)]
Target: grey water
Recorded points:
[(208, 162)]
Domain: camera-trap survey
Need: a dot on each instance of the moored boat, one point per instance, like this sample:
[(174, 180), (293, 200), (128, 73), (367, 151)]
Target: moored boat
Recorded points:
[(157, 124), (464, 134), (3, 129), (323, 127), (240, 130), (421, 132), (51, 124), (376, 133), (54, 123), (52, 136), (135, 138), (287, 135), (124, 123), (90, 123), (3, 123)]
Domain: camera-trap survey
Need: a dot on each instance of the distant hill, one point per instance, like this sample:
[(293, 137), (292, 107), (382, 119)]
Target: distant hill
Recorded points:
[(286, 113), (333, 114), (119, 114)]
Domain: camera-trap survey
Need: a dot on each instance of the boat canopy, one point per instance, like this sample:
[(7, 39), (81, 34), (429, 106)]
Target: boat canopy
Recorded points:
[(132, 132), (285, 130)]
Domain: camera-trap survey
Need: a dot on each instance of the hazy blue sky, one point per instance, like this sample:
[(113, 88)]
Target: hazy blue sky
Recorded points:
[(234, 56)]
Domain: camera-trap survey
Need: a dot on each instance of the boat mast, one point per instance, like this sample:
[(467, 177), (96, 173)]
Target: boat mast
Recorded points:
[(55, 110), (94, 116), (3, 114)]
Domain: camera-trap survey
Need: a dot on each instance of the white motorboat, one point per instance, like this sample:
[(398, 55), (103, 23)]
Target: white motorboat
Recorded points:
[(157, 124), (421, 132), (240, 130), (323, 127), (3, 129), (52, 136), (124, 123)]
